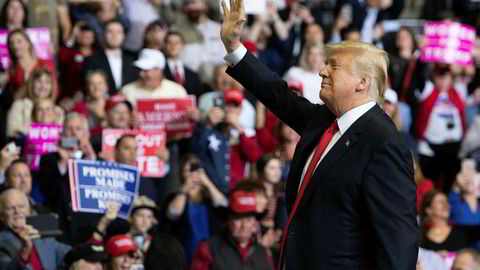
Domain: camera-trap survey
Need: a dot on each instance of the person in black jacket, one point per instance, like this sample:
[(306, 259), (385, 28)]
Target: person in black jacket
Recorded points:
[(175, 69), (115, 61), (350, 193)]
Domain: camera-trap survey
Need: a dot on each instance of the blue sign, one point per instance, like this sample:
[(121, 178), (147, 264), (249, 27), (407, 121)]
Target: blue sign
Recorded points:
[(93, 184)]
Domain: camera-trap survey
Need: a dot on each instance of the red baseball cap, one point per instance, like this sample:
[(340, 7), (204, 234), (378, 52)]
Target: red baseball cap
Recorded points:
[(242, 204), (115, 100), (119, 245), (296, 86), (233, 96)]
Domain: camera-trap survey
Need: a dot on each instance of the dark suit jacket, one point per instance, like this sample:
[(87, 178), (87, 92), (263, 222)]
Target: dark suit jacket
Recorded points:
[(99, 61), (192, 82), (358, 211), (76, 226)]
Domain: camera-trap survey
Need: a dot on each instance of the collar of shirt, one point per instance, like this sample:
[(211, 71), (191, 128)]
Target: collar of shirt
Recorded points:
[(114, 53), (175, 63), (348, 118)]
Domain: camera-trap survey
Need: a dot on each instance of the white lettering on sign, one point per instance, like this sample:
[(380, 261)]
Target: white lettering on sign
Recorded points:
[(108, 172), (96, 194), (164, 106), (45, 133)]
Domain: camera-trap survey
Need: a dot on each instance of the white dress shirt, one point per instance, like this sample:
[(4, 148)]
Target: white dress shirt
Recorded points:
[(344, 121), (176, 66), (115, 62)]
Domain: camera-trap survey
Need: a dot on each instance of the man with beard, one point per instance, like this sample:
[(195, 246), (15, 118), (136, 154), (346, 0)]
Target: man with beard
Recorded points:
[(202, 43)]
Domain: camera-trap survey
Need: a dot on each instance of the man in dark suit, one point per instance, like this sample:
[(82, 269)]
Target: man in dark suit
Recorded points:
[(116, 62), (350, 191), (175, 70)]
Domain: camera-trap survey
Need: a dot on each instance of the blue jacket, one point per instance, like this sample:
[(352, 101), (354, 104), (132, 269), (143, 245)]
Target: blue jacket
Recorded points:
[(49, 251), (211, 147)]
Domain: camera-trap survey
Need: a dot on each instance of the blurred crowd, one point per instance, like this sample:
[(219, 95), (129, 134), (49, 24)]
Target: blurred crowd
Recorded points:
[(220, 204)]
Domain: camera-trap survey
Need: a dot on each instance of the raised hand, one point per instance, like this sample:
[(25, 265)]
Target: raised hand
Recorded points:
[(233, 21)]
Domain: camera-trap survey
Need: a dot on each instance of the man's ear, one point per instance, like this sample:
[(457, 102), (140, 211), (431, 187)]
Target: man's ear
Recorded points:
[(363, 83)]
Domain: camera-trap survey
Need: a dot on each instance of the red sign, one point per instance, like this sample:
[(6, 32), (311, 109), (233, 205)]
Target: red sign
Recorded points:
[(169, 114), (147, 144)]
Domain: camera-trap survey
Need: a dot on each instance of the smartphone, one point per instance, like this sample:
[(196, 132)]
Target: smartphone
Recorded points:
[(47, 225), (69, 142)]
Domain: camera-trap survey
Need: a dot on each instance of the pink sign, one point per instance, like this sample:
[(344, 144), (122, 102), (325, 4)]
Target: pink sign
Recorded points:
[(169, 114), (41, 139), (41, 41), (147, 144), (448, 42)]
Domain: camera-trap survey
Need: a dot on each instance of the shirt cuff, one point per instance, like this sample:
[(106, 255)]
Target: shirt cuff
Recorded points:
[(236, 56)]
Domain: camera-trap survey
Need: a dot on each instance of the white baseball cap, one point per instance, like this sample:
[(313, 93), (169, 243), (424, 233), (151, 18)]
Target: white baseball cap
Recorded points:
[(150, 59), (391, 96)]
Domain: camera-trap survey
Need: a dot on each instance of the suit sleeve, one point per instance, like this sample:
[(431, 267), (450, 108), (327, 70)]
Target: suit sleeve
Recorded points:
[(272, 91), (390, 195)]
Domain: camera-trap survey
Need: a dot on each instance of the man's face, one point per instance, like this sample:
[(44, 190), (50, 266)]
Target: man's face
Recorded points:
[(173, 46), (19, 177), (142, 220), (151, 78), (194, 9), (339, 81), (464, 261), (126, 152), (75, 127), (15, 210), (119, 116), (97, 86), (242, 228), (222, 79), (114, 35)]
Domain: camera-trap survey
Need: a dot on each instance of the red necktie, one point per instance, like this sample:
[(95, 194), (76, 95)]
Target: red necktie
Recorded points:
[(321, 146), (176, 75)]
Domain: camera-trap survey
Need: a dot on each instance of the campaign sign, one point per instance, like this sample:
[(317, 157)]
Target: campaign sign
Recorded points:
[(41, 139), (41, 41), (93, 184), (147, 144), (448, 42), (169, 114)]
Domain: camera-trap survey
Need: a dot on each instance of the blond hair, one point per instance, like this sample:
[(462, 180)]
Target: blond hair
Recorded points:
[(368, 61), (306, 51)]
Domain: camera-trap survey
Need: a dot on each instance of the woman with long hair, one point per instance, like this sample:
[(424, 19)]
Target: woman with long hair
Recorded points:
[(438, 233), (311, 63), (23, 61), (14, 15), (189, 212), (41, 85)]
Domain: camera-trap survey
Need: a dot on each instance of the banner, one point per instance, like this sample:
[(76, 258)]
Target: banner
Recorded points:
[(169, 114), (93, 184), (147, 144), (41, 139), (448, 42), (41, 41)]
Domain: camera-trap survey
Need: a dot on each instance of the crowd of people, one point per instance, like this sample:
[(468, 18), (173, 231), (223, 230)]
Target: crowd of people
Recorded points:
[(221, 202)]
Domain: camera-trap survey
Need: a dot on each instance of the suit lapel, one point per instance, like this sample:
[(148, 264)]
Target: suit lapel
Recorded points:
[(346, 141), (303, 150), (43, 253)]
